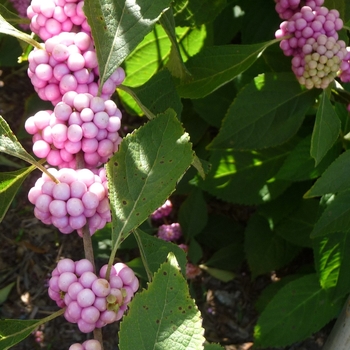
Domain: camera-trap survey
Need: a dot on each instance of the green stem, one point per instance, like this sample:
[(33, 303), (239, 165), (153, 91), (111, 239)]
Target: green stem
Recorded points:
[(40, 166), (144, 109), (51, 317), (111, 258), (143, 255)]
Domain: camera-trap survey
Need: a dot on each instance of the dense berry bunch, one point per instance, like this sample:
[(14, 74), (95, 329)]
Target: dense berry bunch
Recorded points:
[(68, 62), (162, 211), (170, 232), (80, 123), (344, 74), (310, 36), (321, 62), (92, 301), (307, 24), (287, 8), (51, 17), (79, 198), (91, 344)]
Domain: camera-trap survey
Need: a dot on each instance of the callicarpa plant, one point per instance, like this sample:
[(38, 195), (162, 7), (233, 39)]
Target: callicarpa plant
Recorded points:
[(239, 168)]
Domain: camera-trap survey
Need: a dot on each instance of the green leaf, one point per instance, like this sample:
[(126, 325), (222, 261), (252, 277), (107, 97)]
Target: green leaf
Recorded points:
[(213, 347), (220, 232), (118, 26), (271, 290), (222, 275), (14, 331), (153, 52), (332, 259), (164, 316), (279, 108), (154, 252), (202, 166), (215, 66), (4, 292), (265, 250), (265, 14), (192, 13), (326, 129), (214, 106), (227, 258), (335, 179), (10, 51), (246, 177), (336, 216), (10, 183), (153, 98), (175, 63), (301, 307), (145, 170), (8, 29), (10, 145), (300, 166), (193, 214), (10, 16), (297, 226)]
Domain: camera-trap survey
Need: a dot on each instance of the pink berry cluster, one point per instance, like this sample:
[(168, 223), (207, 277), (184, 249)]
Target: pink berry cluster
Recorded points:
[(162, 211), (81, 132), (80, 123), (79, 198), (310, 35), (92, 301), (287, 8), (51, 17), (172, 232), (91, 344), (68, 62)]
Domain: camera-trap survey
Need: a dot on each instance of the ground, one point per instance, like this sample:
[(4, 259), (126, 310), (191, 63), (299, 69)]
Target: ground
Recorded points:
[(30, 250)]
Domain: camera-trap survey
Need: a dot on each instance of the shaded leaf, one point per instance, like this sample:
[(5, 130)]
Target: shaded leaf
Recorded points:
[(153, 98), (192, 13), (193, 214), (10, 183), (175, 63), (279, 108), (213, 347), (300, 166), (245, 177), (326, 129), (154, 252), (222, 275), (301, 307), (335, 179), (215, 66), (4, 292), (297, 226), (336, 216), (265, 250)]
